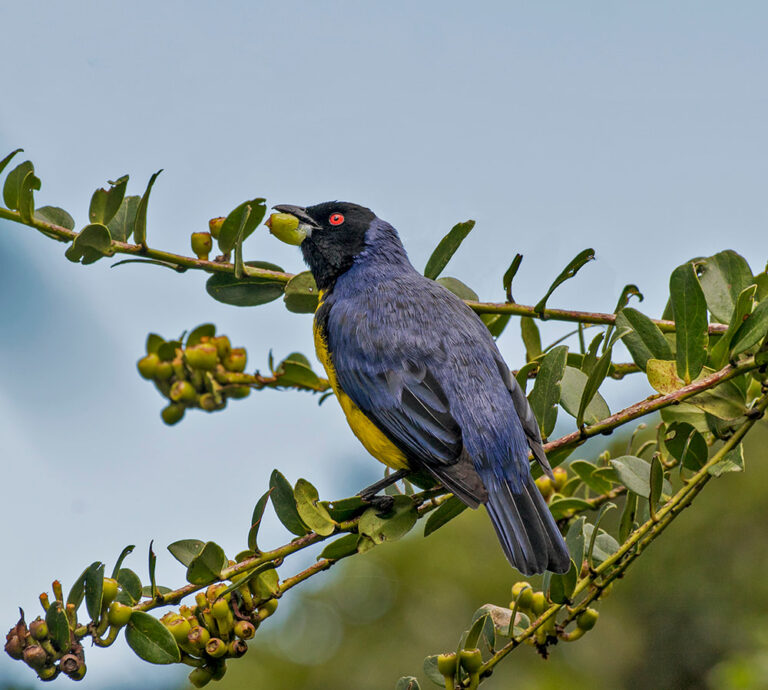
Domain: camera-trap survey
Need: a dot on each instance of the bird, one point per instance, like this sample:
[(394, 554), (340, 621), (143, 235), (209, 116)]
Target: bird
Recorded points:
[(421, 380)]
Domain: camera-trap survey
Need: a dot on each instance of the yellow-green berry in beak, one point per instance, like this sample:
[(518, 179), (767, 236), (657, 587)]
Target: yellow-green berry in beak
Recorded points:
[(285, 227)]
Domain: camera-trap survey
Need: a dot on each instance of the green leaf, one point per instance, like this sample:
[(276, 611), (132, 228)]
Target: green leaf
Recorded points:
[(77, 592), (91, 244), (594, 381), (293, 373), (496, 323), (546, 390), (301, 294), (55, 216), (447, 248), (390, 527), (732, 461), (635, 474), (644, 341), (687, 445), (7, 159), (284, 504), (445, 512), (231, 226), (722, 277), (12, 186), (690, 311), (159, 589), (245, 291), (604, 545), (166, 351), (345, 508), (656, 481), (662, 375), (140, 225), (26, 196), (151, 640), (718, 354), (312, 514), (522, 375), (572, 388), (266, 583), (627, 522), (94, 586), (473, 634), (58, 626), (431, 672), (568, 272), (509, 276), (590, 358), (130, 586), (574, 540), (531, 338), (105, 203), (561, 585), (239, 237), (458, 288), (565, 507), (407, 683), (586, 472), (186, 550), (204, 330), (152, 561), (752, 331), (258, 514), (207, 566), (340, 548), (123, 222), (725, 401)]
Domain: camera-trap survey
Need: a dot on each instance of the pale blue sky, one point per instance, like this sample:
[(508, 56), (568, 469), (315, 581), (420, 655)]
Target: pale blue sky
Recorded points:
[(636, 128)]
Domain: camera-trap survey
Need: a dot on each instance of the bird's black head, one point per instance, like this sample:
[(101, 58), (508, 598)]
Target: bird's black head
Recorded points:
[(334, 235)]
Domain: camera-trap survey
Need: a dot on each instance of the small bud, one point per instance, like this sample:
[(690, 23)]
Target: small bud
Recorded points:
[(239, 392), (471, 660), (214, 225), (35, 656), (48, 673), (524, 591), (45, 603), (223, 346), (172, 414), (236, 648), (58, 593), (109, 591), (200, 677), (561, 477), (216, 648), (285, 226), (202, 243), (38, 629), (147, 366), (220, 609), (447, 663), (179, 370), (245, 630), (204, 356), (198, 637), (119, 614), (183, 391), (545, 487), (236, 360), (179, 628), (539, 603), (14, 647), (201, 600), (587, 619), (164, 371)]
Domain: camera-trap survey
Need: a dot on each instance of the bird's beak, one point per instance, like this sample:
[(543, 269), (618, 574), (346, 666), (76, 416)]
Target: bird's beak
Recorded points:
[(291, 224)]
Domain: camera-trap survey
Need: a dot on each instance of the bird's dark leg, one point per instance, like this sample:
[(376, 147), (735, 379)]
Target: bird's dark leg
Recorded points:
[(382, 503)]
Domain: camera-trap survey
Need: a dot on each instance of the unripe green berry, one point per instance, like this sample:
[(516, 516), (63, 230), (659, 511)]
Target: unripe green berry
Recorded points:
[(214, 225), (220, 609), (545, 487), (204, 356), (183, 391), (239, 392), (35, 656), (447, 663), (202, 243), (207, 402), (213, 592), (285, 226), (587, 619), (267, 609), (223, 346), (108, 591), (38, 629), (164, 371), (522, 593), (48, 673), (561, 477), (119, 614), (200, 677), (172, 414), (471, 660), (198, 637), (179, 628), (216, 648), (147, 366), (245, 629), (538, 603), (236, 360)]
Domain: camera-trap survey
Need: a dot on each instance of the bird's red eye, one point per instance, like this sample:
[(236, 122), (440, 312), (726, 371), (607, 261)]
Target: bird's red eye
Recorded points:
[(336, 219)]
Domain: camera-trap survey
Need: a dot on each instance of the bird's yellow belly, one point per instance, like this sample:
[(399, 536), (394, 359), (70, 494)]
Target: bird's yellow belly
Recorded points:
[(375, 442)]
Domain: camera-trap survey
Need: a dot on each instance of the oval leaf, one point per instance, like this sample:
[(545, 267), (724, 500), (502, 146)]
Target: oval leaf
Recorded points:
[(151, 640), (546, 390), (644, 340), (569, 271), (312, 514), (206, 567), (284, 504), (690, 311), (447, 248), (447, 510), (339, 548), (301, 294), (245, 291)]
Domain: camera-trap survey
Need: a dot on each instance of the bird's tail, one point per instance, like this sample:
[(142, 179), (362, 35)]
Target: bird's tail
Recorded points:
[(525, 527)]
